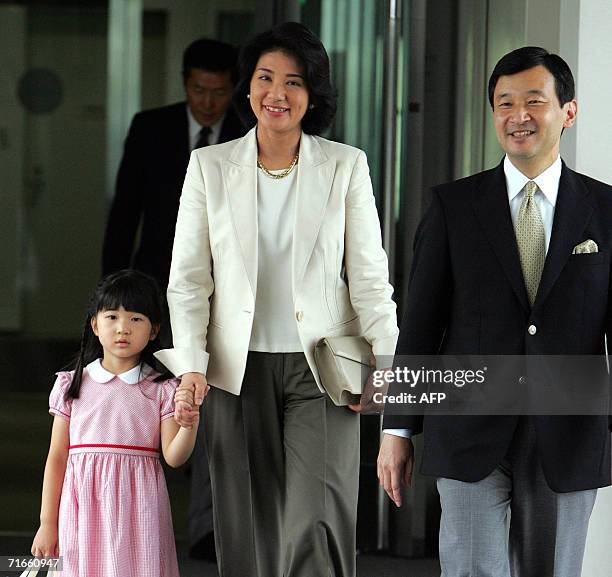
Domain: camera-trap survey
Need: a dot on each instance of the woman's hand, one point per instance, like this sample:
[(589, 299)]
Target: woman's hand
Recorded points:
[(189, 395), (367, 402), (45, 541)]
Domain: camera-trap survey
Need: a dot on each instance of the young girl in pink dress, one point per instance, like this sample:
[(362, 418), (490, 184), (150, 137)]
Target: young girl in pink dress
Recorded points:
[(105, 506)]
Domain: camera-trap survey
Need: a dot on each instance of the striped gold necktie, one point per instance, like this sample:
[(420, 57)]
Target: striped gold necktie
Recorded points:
[(531, 240)]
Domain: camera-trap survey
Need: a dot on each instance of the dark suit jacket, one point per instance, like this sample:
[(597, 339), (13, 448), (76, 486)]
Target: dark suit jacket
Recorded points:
[(148, 189), (467, 296)]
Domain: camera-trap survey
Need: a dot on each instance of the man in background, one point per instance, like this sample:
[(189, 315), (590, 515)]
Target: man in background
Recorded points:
[(155, 160)]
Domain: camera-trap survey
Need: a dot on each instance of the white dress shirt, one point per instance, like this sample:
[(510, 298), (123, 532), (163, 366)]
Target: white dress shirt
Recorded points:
[(546, 199), (545, 196)]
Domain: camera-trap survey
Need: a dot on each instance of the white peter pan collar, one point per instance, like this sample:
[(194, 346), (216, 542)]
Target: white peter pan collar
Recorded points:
[(99, 374)]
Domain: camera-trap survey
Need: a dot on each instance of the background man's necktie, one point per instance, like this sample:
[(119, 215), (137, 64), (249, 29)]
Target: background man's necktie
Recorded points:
[(203, 137), (531, 240)]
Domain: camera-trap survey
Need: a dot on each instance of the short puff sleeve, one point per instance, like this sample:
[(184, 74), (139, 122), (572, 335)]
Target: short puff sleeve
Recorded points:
[(58, 405), (166, 404)]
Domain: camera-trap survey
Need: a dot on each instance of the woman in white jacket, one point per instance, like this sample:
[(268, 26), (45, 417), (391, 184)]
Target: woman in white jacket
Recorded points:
[(277, 245)]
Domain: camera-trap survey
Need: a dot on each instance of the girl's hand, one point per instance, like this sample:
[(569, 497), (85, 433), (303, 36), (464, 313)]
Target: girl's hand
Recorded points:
[(191, 419), (184, 405), (184, 394), (45, 542)]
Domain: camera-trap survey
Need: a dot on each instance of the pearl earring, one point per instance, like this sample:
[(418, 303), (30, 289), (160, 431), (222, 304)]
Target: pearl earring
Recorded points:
[(310, 106), (248, 96)]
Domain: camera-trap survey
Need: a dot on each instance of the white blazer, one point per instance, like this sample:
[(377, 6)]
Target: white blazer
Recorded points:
[(340, 281)]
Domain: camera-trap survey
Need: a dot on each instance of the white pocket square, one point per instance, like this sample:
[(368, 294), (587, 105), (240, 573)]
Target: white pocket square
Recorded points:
[(586, 247)]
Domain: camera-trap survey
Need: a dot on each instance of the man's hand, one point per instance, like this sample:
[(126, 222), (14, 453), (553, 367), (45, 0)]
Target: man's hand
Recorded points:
[(186, 414), (366, 403), (394, 465)]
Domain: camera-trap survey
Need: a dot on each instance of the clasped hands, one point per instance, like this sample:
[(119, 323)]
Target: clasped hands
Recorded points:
[(187, 399), (395, 459)]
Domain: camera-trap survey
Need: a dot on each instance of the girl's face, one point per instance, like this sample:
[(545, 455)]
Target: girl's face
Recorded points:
[(123, 335)]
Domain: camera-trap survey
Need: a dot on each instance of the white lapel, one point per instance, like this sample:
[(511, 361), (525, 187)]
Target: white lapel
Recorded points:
[(240, 180), (315, 177)]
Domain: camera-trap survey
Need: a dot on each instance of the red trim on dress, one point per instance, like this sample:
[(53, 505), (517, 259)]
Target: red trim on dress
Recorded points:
[(133, 447)]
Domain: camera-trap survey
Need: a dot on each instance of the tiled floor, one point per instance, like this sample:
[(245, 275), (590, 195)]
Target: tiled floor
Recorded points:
[(367, 565)]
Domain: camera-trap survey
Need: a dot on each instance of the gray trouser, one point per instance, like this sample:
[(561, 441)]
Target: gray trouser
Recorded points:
[(199, 514), (284, 467), (511, 523)]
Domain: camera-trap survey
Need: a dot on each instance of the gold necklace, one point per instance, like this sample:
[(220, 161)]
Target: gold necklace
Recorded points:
[(282, 174)]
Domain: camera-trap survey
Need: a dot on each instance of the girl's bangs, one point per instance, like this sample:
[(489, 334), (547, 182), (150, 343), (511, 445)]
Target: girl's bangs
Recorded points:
[(133, 298)]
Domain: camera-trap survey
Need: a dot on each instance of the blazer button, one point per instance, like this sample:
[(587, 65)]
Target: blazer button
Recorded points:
[(522, 380), (299, 315), (532, 330)]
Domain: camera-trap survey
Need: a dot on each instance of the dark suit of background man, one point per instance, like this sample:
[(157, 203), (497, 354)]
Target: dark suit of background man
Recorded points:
[(155, 160), (475, 289), (147, 194)]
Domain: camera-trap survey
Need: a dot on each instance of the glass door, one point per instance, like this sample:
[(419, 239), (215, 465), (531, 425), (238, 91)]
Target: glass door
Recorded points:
[(53, 116), (53, 199)]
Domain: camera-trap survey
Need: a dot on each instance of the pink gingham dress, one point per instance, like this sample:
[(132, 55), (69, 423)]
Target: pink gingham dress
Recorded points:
[(114, 517)]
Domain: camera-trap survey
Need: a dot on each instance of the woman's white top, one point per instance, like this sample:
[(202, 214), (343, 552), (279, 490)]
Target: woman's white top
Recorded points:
[(274, 326)]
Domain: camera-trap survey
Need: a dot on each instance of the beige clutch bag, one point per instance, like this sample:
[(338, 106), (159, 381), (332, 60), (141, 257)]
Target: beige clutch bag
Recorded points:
[(344, 365)]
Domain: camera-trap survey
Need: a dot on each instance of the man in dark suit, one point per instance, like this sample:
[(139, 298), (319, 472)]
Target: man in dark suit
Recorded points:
[(147, 194), (512, 261), (155, 160)]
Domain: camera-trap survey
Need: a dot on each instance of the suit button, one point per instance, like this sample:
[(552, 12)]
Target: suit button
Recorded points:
[(522, 380), (532, 330), (299, 315)]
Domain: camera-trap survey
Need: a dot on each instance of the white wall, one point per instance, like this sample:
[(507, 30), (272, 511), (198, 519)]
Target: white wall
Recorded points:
[(585, 34), (594, 139), (579, 30)]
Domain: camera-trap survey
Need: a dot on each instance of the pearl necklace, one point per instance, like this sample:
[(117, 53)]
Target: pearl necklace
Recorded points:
[(282, 174)]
